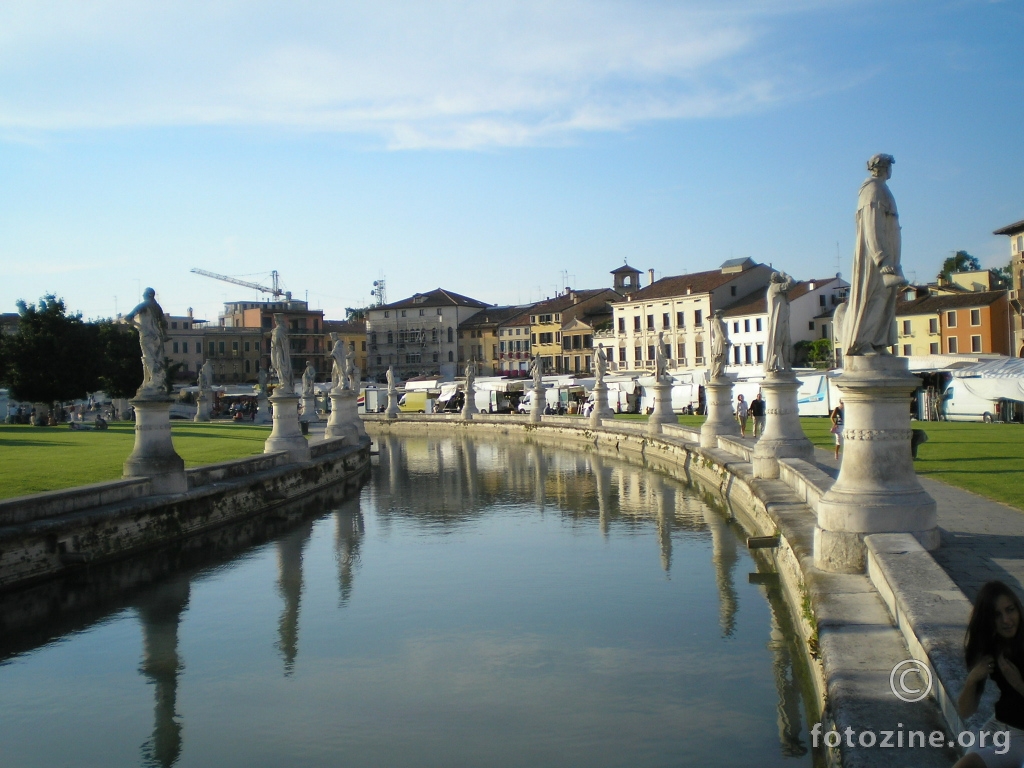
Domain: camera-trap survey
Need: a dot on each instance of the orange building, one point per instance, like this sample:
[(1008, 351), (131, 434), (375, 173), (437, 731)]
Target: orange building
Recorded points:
[(975, 322)]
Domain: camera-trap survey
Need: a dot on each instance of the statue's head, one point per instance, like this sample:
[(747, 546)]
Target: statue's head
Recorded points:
[(279, 319), (881, 165), (334, 337), (719, 314), (149, 293), (777, 277)]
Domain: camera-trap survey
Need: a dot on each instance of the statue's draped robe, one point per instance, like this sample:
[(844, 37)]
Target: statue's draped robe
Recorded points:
[(779, 345), (719, 348), (280, 358), (870, 323), (150, 322)]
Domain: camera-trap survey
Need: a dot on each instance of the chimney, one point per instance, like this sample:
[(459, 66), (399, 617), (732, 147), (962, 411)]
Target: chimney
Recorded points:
[(689, 290), (810, 286), (650, 276)]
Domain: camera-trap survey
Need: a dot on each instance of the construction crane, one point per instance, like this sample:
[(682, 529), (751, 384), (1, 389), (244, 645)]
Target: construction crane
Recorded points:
[(274, 278)]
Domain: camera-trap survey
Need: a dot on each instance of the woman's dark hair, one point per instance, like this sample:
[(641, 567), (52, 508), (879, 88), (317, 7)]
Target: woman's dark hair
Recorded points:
[(981, 637)]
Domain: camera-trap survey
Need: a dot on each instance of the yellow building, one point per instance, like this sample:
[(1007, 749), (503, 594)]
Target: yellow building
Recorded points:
[(353, 335)]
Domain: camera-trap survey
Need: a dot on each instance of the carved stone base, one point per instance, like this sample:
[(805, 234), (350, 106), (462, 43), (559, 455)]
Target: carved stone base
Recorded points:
[(308, 412), (469, 408), (263, 415), (877, 490), (783, 436), (154, 455), (662, 413), (392, 409), (202, 408), (344, 420), (601, 407), (537, 406), (286, 434), (721, 420)]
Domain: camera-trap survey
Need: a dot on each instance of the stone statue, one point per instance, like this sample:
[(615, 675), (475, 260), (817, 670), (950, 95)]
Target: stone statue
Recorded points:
[(870, 323), (660, 362), (280, 354), (308, 379), (538, 375), (148, 318), (353, 374), (338, 378), (262, 377), (206, 377), (470, 375), (602, 363), (391, 379), (779, 348), (719, 346)]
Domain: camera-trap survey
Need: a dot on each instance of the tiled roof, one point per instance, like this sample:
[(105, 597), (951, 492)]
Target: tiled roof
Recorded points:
[(756, 303), (494, 316), (625, 269), (438, 297), (343, 326), (1012, 229), (697, 282), (929, 305)]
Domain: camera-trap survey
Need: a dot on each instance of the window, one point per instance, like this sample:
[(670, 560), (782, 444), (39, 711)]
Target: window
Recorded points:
[(906, 327), (558, 336), (533, 319), (588, 341), (378, 359), (746, 354), (975, 317), (622, 325), (933, 326), (247, 366), (746, 326), (732, 290), (174, 326), (503, 346), (451, 357), (951, 319), (975, 343), (824, 330), (698, 350), (386, 314), (665, 320), (680, 320), (435, 357), (736, 355), (567, 342), (698, 317), (234, 346), (668, 351), (184, 347), (451, 335), (736, 327), (933, 349), (533, 337), (650, 322), (363, 346), (638, 354), (247, 346), (438, 312), (403, 313), (760, 353), (213, 348), (650, 352), (546, 338), (175, 347), (622, 354), (220, 347), (757, 323), (636, 322), (952, 345), (907, 350), (821, 300), (391, 337), (422, 312)]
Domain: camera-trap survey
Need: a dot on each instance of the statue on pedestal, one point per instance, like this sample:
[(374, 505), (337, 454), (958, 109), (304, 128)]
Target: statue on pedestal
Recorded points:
[(602, 363), (262, 378), (280, 355), (660, 361), (308, 379), (779, 348), (338, 378), (391, 379), (470, 375), (870, 322), (536, 373), (148, 319), (719, 346)]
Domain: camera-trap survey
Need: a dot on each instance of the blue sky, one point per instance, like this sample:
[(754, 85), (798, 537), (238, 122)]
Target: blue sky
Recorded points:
[(501, 150)]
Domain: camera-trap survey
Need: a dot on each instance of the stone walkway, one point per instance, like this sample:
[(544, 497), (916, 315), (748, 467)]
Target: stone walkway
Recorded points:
[(981, 539)]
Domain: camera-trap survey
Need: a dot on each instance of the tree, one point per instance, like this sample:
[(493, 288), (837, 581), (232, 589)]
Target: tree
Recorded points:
[(120, 372), (355, 314), (53, 356), (961, 261), (1005, 275)]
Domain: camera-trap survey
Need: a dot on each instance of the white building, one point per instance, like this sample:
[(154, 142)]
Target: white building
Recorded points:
[(810, 317), (680, 308)]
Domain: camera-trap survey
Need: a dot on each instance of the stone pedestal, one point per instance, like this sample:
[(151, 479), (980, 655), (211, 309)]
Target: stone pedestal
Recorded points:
[(469, 408), (783, 437), (877, 490), (601, 408), (662, 413), (344, 420), (154, 455), (721, 420), (537, 406), (392, 410), (263, 415), (308, 412), (287, 434), (202, 408)]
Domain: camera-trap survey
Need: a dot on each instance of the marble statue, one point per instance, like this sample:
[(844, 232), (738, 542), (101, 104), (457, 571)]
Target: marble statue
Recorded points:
[(660, 361), (308, 379), (391, 379), (280, 354), (353, 374), (719, 346), (602, 363), (262, 378), (870, 322), (206, 377), (779, 355), (148, 319), (338, 378), (470, 375), (538, 375)]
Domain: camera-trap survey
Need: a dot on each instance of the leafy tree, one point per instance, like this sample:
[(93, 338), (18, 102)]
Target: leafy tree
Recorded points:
[(1005, 275), (961, 261), (53, 356), (120, 372), (354, 314)]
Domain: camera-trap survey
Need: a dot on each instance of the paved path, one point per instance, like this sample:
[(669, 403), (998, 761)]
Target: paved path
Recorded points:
[(981, 539)]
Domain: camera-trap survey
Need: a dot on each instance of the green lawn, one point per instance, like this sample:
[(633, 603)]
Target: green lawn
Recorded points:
[(987, 459), (34, 459)]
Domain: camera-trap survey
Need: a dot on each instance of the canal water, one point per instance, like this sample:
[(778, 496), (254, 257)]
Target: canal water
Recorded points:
[(472, 604)]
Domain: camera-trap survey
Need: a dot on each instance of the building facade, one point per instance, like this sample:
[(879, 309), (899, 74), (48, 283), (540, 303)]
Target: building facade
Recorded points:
[(976, 322), (352, 335), (305, 331), (1015, 232), (481, 339)]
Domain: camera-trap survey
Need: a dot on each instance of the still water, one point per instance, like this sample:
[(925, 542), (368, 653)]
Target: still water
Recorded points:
[(473, 604)]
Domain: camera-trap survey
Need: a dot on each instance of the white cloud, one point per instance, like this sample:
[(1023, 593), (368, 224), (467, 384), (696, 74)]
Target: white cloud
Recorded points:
[(416, 74)]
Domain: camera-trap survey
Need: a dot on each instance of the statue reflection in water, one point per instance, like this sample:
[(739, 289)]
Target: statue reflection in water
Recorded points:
[(723, 557), (159, 614), (664, 515), (289, 569), (787, 684), (348, 533)]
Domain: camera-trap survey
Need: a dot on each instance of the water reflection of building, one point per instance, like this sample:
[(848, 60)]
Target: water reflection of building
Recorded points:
[(289, 569), (159, 614), (348, 533)]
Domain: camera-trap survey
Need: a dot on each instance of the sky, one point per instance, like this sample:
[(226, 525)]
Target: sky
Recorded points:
[(501, 150)]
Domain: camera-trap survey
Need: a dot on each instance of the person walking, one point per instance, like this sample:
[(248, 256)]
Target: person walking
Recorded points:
[(742, 413), (837, 426), (757, 414)]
